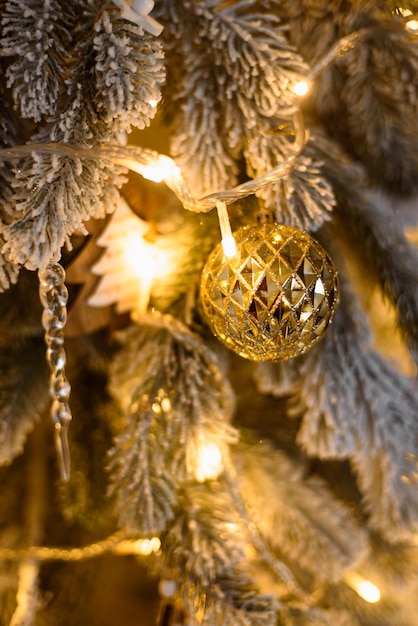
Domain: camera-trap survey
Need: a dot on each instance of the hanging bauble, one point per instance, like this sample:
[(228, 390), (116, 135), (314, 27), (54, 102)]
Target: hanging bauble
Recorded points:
[(275, 297)]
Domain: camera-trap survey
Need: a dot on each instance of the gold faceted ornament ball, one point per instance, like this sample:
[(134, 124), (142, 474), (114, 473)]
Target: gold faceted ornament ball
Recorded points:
[(275, 298)]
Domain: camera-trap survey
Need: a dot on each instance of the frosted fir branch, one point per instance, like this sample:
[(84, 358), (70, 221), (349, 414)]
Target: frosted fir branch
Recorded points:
[(144, 488), (298, 516), (37, 38), (207, 536), (316, 29), (356, 98), (378, 221), (19, 412), (9, 126), (224, 71), (207, 546), (394, 257), (303, 199), (9, 272), (199, 144), (358, 407), (174, 396), (65, 193), (129, 72)]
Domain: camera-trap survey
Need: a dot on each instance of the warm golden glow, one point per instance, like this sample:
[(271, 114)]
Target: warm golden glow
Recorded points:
[(159, 169), (412, 25), (365, 588), (228, 242), (229, 246), (148, 546), (301, 88), (208, 463), (143, 547), (140, 256), (231, 527)]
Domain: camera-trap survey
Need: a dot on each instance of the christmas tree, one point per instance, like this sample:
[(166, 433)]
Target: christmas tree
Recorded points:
[(209, 312)]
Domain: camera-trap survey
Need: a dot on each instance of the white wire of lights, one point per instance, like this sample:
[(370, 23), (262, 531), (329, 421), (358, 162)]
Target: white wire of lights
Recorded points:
[(158, 167)]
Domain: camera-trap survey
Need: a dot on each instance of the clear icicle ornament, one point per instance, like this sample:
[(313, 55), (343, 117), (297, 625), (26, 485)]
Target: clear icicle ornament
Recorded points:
[(54, 296)]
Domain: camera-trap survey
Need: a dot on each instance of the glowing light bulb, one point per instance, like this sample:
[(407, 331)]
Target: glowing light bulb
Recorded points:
[(229, 246), (228, 242), (139, 255), (365, 588), (159, 169), (153, 103), (412, 25), (208, 463), (140, 268), (231, 527), (143, 547), (301, 88)]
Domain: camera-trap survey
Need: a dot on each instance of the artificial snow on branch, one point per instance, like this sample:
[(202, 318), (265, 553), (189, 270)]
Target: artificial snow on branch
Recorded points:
[(371, 231), (36, 35), (303, 199), (129, 73), (19, 411), (230, 68), (67, 192), (299, 521), (360, 408), (176, 402), (206, 546), (354, 97)]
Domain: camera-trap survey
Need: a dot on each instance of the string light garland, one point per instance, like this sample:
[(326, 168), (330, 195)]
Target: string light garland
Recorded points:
[(119, 543), (158, 167), (367, 590)]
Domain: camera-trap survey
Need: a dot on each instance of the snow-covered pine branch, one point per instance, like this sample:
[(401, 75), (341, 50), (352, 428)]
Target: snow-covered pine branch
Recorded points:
[(128, 70), (303, 199), (367, 98), (36, 34), (358, 407), (175, 397), (206, 546), (302, 520), (65, 192), (19, 411), (372, 224), (226, 68)]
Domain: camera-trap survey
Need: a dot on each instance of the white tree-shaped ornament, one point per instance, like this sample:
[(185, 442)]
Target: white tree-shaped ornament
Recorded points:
[(127, 265)]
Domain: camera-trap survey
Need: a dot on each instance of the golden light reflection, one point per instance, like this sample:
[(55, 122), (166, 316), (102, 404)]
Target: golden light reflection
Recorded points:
[(301, 88), (206, 461), (365, 588), (158, 169), (142, 547)]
